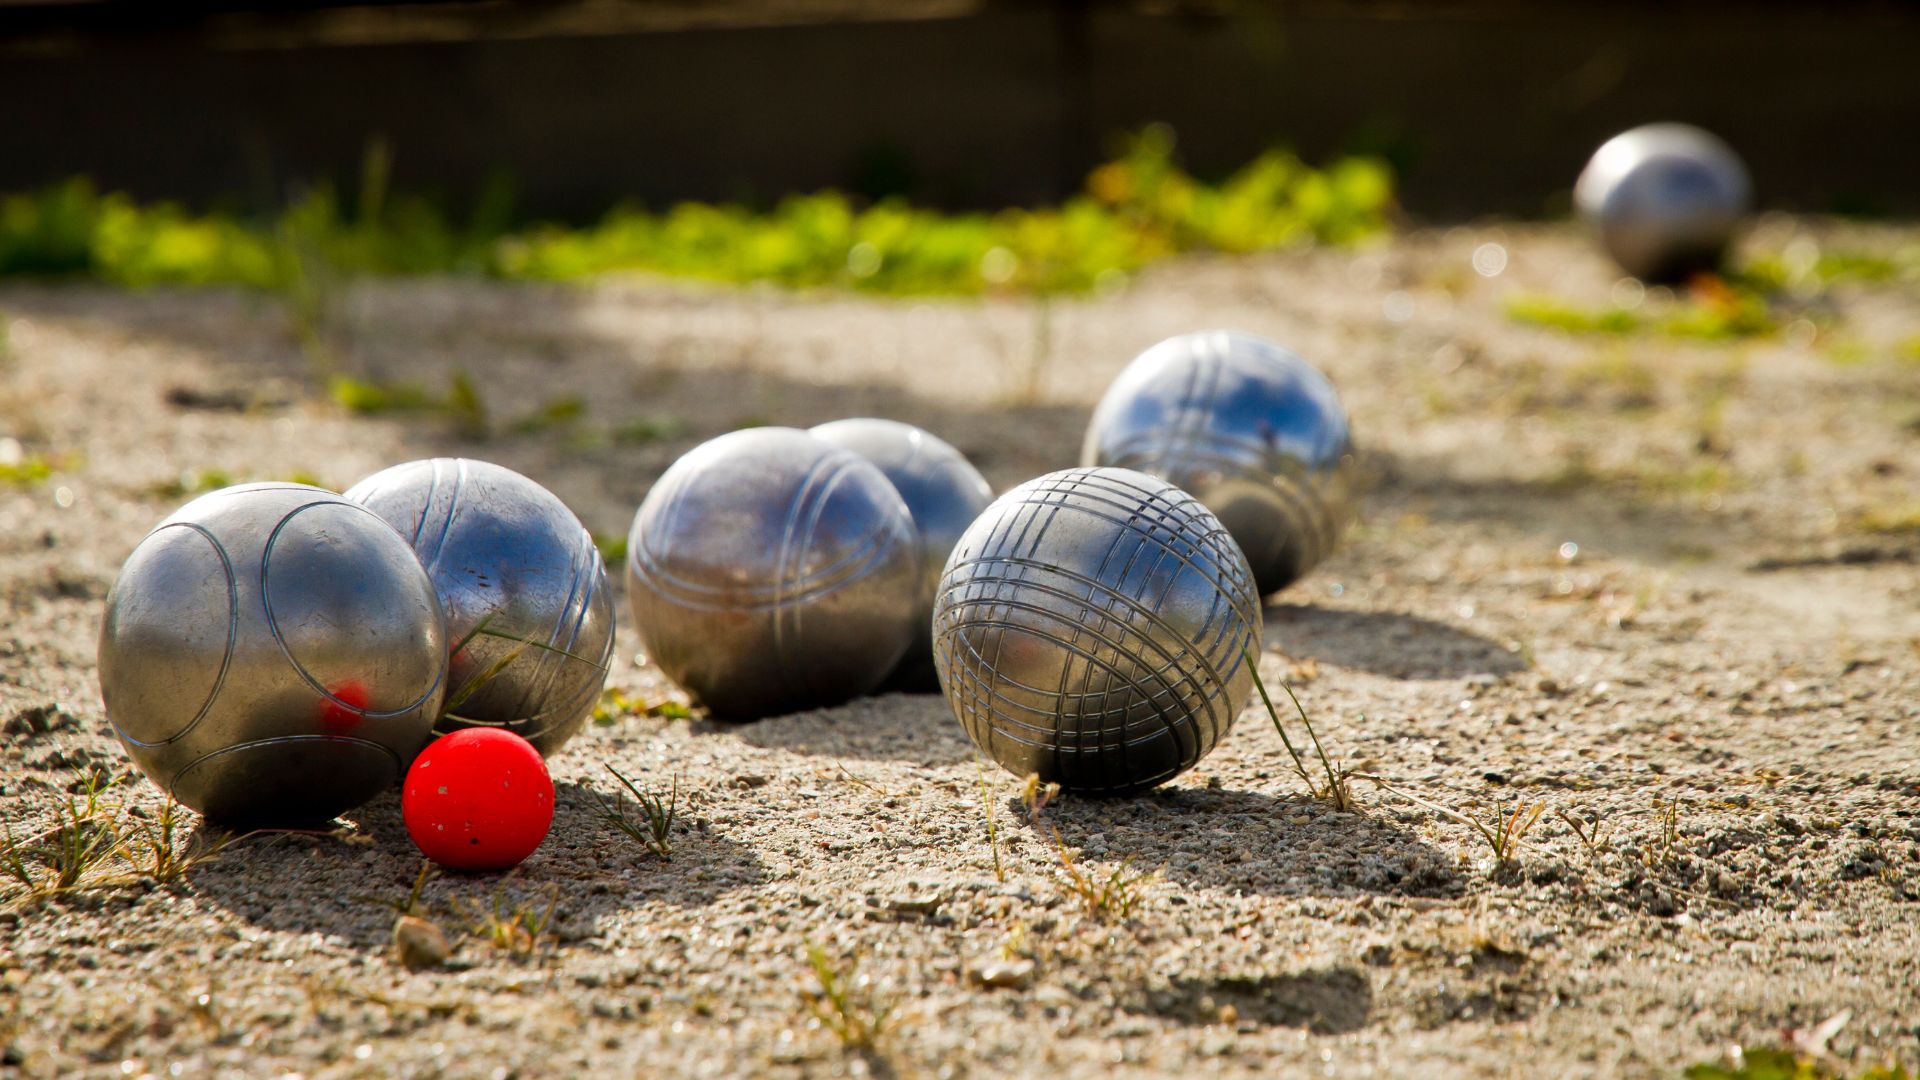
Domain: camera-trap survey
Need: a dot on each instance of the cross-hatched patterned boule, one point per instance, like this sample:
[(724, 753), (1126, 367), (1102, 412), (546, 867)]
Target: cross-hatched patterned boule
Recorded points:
[(522, 585), (1093, 626), (1254, 432), (943, 492), (1666, 199), (770, 572), (272, 655)]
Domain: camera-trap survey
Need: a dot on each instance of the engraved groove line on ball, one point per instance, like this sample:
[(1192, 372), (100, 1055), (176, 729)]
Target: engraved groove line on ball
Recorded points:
[(273, 624), (815, 490), (979, 577), (233, 635), (584, 587), (1128, 632), (282, 740), (1221, 581)]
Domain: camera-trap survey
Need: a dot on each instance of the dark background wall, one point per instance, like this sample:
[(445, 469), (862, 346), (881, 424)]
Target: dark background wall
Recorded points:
[(1485, 108)]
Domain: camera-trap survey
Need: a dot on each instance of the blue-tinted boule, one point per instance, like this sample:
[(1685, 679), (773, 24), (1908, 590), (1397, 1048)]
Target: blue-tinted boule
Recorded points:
[(272, 655), (943, 492), (1093, 626), (1254, 432), (523, 587), (770, 572), (1666, 199)]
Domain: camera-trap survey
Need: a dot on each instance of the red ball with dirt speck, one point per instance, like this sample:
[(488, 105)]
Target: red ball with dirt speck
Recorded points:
[(478, 799)]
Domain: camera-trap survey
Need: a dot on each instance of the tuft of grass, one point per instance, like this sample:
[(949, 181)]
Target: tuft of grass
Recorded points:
[(155, 849), (61, 859), (93, 847), (1112, 898), (615, 704), (1714, 312), (655, 825), (29, 471), (1778, 1064), (845, 1004), (1337, 790), (1506, 831), (1651, 479), (411, 904), (1109, 899), (1891, 520), (1666, 838), (1559, 315), (560, 412), (993, 828), (1594, 834), (613, 548), (461, 404), (516, 928), (649, 429), (1504, 834)]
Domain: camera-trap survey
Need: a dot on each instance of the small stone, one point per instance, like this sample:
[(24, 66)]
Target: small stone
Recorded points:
[(39, 720), (1004, 974), (418, 943)]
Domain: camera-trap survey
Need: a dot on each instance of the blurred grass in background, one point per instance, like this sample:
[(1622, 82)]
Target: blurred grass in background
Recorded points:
[(1133, 210)]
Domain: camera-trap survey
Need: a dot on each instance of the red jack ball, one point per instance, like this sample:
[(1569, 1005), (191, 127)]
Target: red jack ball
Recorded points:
[(478, 799)]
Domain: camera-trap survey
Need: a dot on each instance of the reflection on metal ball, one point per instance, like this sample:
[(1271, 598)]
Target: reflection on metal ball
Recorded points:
[(1254, 432), (1093, 626), (770, 572), (522, 584), (272, 655), (1665, 198), (943, 492)]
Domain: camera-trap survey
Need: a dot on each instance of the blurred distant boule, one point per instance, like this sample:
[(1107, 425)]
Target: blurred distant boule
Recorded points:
[(943, 492), (272, 655), (519, 577), (1666, 199), (770, 571), (1093, 626), (1254, 432)]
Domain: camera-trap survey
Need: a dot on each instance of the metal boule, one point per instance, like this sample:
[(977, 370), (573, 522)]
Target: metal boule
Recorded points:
[(1253, 431), (523, 587), (1094, 626), (272, 655), (769, 571), (1665, 199), (943, 493)]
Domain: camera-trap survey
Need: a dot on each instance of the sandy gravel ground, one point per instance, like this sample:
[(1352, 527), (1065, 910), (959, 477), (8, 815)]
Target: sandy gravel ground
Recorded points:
[(1663, 586)]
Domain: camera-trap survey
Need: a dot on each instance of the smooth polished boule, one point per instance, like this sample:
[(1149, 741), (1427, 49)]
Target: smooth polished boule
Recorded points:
[(521, 582), (1093, 626), (272, 655), (943, 493), (770, 572), (1254, 432), (1666, 199)]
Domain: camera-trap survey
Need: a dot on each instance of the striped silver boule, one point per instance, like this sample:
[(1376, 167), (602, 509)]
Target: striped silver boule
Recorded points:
[(272, 655), (770, 572), (1093, 626), (523, 587), (1665, 199), (943, 492), (1254, 432)]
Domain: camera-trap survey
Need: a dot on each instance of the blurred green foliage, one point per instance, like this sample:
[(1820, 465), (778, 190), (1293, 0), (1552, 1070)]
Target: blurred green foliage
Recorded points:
[(1710, 314), (1133, 210), (1784, 1065)]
